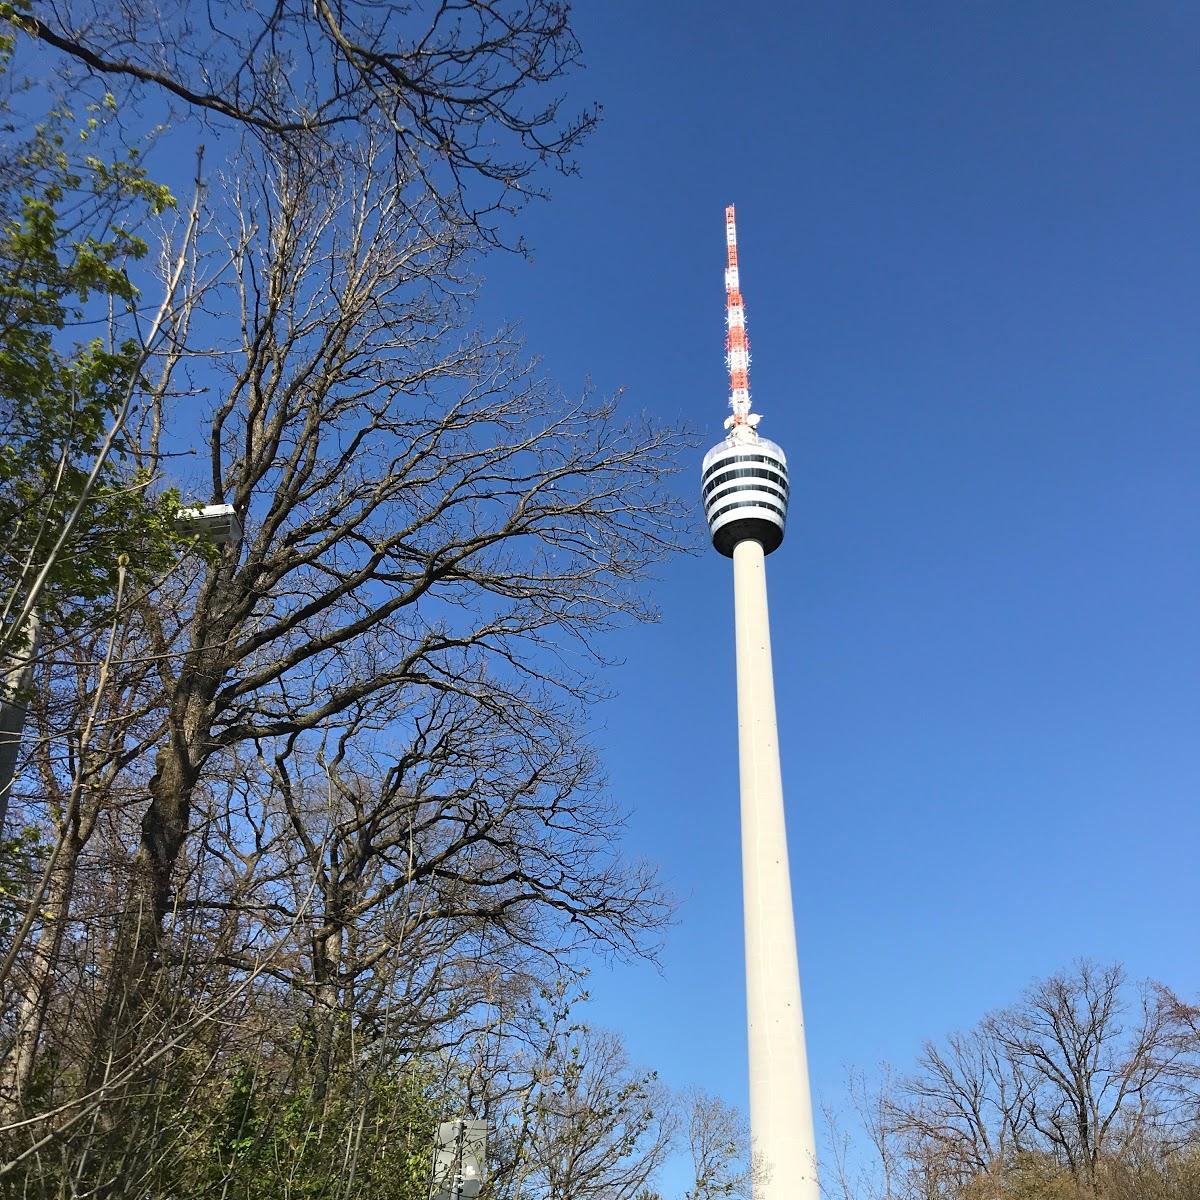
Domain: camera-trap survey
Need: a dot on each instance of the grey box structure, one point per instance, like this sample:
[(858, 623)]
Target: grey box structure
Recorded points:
[(460, 1160)]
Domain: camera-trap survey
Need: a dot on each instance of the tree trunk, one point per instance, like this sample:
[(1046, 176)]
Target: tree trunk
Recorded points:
[(327, 1006), (36, 988), (137, 955)]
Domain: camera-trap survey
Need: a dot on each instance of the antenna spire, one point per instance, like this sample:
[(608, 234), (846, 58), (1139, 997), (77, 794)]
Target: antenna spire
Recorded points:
[(737, 346)]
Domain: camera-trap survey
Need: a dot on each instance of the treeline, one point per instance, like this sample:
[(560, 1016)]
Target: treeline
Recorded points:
[(303, 846), (1086, 1089)]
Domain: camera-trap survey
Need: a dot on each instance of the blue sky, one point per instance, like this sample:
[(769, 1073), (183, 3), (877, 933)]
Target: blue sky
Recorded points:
[(970, 258)]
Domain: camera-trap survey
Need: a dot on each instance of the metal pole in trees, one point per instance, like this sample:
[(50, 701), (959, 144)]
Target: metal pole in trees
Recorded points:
[(17, 681)]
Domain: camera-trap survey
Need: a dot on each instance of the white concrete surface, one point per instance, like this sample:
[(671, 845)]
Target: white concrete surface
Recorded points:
[(781, 1118)]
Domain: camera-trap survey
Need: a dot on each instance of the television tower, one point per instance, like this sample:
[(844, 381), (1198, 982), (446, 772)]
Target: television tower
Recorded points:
[(744, 483)]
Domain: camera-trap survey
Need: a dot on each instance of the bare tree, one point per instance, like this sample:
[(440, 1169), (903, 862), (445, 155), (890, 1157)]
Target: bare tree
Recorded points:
[(718, 1139), (594, 1128), (1091, 1082), (424, 519), (874, 1171), (460, 87), (968, 1101), (420, 904), (1079, 1085)]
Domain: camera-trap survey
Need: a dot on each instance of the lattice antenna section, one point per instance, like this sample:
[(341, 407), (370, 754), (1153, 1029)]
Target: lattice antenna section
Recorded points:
[(737, 346)]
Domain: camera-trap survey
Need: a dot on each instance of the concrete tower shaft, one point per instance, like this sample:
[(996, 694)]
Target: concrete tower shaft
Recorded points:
[(781, 1117)]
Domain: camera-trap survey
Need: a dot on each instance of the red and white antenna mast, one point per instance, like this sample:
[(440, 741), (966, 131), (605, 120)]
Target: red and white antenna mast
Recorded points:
[(742, 421)]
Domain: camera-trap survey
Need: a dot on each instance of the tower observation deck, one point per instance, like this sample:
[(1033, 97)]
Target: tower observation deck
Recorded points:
[(744, 484)]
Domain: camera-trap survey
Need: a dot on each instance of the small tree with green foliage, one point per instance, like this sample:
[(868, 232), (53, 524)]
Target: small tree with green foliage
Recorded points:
[(68, 240)]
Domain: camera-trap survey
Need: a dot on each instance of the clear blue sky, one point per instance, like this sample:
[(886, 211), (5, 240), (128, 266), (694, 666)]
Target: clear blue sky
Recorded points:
[(970, 258)]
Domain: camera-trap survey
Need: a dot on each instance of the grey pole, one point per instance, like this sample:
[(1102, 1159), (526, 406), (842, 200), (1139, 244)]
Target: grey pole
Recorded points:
[(456, 1186), (18, 679)]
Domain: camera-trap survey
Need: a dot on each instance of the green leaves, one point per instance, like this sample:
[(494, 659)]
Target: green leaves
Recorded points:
[(68, 235), (260, 1137)]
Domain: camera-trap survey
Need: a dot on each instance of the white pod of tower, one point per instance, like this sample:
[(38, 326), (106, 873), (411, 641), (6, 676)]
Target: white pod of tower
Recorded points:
[(744, 485)]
